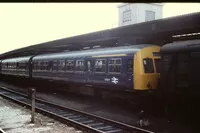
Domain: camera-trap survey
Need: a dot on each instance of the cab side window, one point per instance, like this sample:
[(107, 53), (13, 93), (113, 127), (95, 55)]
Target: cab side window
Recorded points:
[(148, 65), (114, 65)]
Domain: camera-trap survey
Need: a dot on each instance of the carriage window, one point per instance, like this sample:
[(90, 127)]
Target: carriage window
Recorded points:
[(88, 66), (115, 65), (79, 65), (42, 65), (45, 65), (55, 65), (22, 65), (130, 66), (61, 65), (148, 65), (39, 65), (36, 65), (157, 64), (100, 65), (4, 66), (9, 66), (69, 65), (14, 66)]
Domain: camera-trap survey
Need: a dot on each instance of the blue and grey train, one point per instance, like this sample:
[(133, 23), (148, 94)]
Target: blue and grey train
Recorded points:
[(133, 68)]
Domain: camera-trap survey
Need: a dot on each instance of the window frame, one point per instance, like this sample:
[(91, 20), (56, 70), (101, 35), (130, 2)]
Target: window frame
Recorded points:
[(66, 65), (146, 16), (36, 66), (53, 61), (4, 66), (104, 64), (115, 65), (82, 65), (46, 65), (127, 65), (126, 16), (152, 65), (22, 66), (58, 67)]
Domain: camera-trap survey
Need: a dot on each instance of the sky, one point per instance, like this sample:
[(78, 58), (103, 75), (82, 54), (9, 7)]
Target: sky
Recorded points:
[(25, 24)]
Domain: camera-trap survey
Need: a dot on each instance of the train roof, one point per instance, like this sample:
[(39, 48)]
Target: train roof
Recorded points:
[(18, 59), (181, 46), (100, 51)]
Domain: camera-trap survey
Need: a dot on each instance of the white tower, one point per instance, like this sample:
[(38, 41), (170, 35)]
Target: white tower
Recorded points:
[(132, 13)]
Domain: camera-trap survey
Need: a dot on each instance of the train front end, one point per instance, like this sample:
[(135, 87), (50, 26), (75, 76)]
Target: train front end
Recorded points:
[(147, 68)]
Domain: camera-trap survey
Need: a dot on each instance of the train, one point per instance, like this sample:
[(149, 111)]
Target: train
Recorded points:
[(179, 79), (124, 68), (180, 67)]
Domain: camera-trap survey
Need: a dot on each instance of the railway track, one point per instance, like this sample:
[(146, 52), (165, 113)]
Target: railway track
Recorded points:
[(1, 131), (81, 120)]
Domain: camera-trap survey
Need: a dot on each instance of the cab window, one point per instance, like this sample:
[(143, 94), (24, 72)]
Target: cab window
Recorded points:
[(148, 65)]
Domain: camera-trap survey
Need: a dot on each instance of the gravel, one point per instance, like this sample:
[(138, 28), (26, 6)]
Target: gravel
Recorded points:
[(16, 119)]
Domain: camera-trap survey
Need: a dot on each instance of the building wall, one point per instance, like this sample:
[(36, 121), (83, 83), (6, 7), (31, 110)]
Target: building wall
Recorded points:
[(136, 13)]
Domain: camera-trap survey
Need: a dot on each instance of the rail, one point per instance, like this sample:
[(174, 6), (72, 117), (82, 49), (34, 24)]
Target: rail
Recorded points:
[(1, 131), (79, 119)]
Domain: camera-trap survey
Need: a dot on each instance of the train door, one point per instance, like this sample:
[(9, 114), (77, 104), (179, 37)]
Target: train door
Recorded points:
[(89, 70), (129, 74)]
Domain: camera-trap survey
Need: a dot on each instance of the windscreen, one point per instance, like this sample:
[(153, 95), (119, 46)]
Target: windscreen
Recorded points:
[(148, 65)]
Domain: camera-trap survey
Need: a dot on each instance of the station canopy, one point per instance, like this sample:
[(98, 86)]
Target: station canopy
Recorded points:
[(156, 32)]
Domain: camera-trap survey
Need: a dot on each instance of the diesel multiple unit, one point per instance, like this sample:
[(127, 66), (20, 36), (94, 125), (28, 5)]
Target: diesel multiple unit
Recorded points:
[(180, 67), (133, 67)]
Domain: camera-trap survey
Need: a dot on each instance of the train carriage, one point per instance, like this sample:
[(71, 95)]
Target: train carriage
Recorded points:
[(16, 66), (127, 68), (180, 67)]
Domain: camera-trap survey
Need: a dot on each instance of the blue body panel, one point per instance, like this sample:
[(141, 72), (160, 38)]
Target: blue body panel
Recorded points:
[(120, 81), (123, 80)]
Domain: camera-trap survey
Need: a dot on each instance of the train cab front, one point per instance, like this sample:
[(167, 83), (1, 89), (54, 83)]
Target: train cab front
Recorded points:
[(147, 70)]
